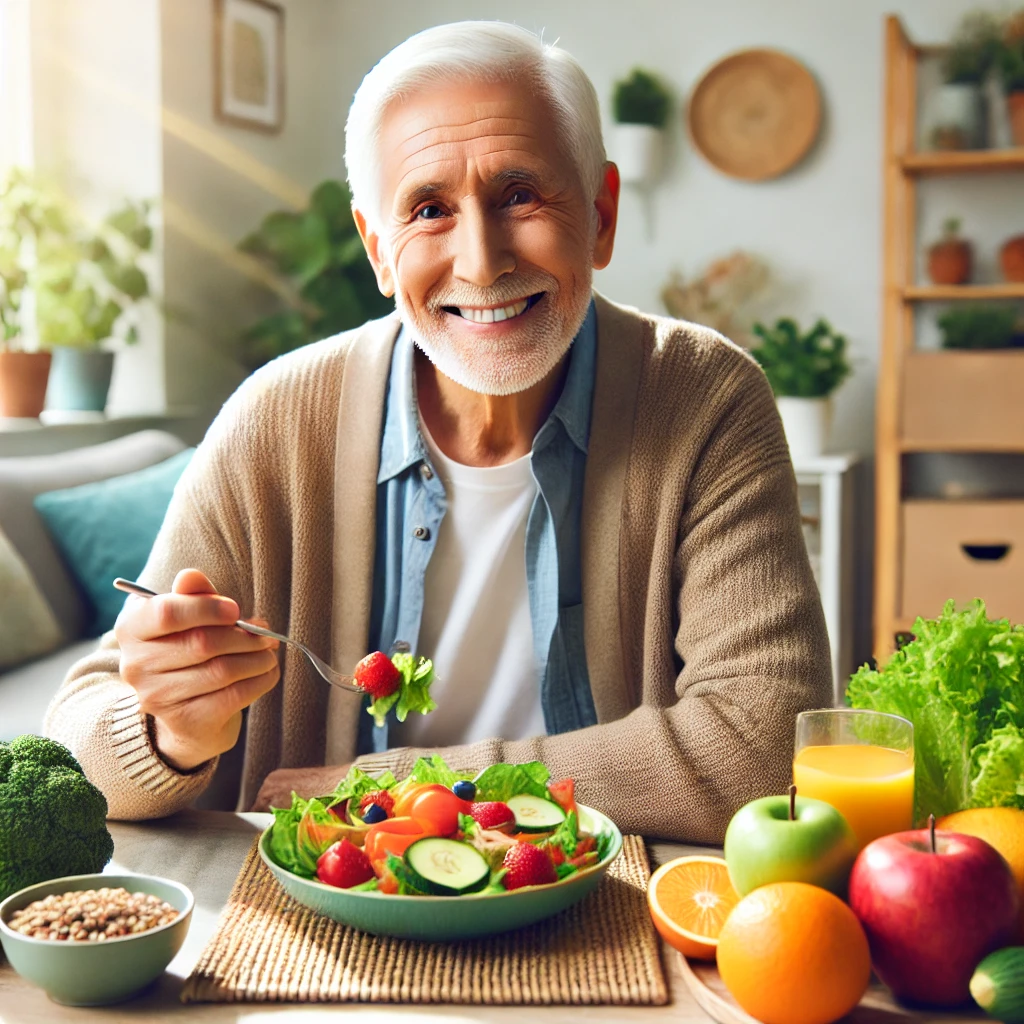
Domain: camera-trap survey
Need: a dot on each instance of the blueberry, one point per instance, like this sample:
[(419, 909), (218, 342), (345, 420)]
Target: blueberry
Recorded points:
[(464, 790), (374, 813)]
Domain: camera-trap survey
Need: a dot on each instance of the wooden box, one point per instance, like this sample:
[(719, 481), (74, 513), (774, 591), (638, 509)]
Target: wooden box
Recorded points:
[(963, 550), (963, 401)]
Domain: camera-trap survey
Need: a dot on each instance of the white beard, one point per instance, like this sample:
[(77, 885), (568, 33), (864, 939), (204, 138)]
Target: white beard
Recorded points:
[(520, 358)]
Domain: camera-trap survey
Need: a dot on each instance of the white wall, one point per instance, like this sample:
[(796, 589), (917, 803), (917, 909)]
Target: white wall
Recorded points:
[(95, 112)]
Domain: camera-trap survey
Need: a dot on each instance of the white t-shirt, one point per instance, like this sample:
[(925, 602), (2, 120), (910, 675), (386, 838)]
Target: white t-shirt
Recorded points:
[(476, 610)]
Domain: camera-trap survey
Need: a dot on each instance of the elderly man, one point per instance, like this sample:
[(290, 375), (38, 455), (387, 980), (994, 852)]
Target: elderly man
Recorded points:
[(587, 516)]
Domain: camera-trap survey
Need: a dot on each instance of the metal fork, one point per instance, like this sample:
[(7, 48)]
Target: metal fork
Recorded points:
[(335, 678)]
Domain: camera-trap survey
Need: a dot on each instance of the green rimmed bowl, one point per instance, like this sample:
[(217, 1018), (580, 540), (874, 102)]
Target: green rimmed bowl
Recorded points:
[(447, 918), (96, 973)]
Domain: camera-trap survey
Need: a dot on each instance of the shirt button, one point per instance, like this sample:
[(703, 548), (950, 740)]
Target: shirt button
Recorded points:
[(421, 533), (426, 472)]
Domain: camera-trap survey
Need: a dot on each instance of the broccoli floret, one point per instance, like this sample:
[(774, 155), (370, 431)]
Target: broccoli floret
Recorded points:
[(52, 818)]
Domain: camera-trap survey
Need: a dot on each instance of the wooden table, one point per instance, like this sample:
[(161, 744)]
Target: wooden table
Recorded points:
[(205, 851)]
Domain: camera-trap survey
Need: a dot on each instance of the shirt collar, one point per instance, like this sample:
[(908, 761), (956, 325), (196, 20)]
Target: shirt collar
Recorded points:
[(402, 444)]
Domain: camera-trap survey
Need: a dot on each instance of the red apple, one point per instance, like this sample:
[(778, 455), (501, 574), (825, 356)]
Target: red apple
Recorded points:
[(932, 913)]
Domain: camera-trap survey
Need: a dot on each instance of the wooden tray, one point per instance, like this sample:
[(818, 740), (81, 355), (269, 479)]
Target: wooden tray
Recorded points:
[(877, 1006), (755, 114)]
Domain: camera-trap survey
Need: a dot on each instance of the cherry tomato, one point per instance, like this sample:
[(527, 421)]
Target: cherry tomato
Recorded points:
[(395, 835), (438, 810)]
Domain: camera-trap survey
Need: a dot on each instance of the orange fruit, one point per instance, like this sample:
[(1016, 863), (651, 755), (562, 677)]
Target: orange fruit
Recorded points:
[(689, 899), (792, 953), (1001, 827)]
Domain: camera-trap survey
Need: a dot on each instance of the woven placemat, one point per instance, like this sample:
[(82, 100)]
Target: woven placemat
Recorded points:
[(269, 948)]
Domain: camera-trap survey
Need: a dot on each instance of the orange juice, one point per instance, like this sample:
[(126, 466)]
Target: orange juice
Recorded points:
[(873, 787)]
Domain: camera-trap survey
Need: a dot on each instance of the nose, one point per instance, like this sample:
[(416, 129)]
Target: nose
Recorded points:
[(482, 248)]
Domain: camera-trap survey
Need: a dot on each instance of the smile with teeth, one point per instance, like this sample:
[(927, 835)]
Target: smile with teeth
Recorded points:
[(491, 316)]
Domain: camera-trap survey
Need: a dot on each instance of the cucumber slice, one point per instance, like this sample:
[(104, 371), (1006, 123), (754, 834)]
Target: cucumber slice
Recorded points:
[(446, 867), (535, 814)]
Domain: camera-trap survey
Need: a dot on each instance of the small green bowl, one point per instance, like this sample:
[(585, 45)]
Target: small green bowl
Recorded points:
[(448, 918), (96, 973)]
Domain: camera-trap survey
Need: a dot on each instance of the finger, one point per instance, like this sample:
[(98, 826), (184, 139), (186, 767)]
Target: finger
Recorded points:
[(149, 618), (163, 692), (193, 647), (240, 695)]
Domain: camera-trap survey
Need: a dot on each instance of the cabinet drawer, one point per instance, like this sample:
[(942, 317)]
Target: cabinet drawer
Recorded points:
[(963, 550), (963, 401)]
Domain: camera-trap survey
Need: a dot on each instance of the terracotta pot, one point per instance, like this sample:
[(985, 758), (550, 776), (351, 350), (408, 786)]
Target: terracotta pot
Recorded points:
[(23, 377), (949, 262), (1015, 105), (1011, 257)]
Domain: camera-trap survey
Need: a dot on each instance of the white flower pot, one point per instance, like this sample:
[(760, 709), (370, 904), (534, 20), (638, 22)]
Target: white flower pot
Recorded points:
[(807, 422), (639, 149), (960, 109)]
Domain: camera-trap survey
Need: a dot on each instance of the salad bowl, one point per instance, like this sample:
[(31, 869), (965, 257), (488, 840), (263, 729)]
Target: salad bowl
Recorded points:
[(439, 919)]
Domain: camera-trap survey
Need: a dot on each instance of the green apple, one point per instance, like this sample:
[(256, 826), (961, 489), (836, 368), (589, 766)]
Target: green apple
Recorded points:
[(781, 839)]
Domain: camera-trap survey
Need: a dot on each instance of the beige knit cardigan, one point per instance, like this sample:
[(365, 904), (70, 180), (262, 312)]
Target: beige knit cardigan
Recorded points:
[(703, 628)]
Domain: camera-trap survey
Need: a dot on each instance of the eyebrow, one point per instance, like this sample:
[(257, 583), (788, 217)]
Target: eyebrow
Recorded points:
[(431, 189)]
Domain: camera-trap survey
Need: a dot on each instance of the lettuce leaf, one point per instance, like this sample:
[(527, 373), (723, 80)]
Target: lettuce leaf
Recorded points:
[(413, 693), (503, 781), (566, 836), (358, 783), (433, 770), (961, 682), (301, 833)]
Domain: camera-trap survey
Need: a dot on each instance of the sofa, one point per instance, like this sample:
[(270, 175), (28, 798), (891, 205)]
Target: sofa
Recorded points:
[(27, 688)]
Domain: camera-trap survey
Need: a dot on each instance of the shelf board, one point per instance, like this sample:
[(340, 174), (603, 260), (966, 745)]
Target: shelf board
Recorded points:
[(963, 292), (910, 446), (964, 161)]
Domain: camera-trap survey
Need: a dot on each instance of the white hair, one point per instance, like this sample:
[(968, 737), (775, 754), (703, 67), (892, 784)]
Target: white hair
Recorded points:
[(488, 50)]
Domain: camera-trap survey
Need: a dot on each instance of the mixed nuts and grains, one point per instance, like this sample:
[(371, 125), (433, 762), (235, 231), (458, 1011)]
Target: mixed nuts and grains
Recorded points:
[(92, 915)]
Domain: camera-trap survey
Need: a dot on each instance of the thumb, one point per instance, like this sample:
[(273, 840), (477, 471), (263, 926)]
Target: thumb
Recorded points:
[(192, 581)]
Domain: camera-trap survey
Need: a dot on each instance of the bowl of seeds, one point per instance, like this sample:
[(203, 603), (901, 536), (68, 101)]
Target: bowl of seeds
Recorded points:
[(90, 940)]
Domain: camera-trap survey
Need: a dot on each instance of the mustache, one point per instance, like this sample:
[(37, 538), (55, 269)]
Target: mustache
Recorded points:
[(502, 293)]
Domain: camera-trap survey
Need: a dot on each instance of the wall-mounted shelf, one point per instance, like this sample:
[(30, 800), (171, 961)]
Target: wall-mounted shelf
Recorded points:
[(963, 292), (972, 161)]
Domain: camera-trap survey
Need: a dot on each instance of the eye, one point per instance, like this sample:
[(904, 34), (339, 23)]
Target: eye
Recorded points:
[(521, 197), (429, 212)]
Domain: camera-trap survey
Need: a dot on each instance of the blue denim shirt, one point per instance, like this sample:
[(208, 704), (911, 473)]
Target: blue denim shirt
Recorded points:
[(411, 505)]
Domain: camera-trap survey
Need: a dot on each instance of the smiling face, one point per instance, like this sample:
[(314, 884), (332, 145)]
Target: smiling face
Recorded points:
[(488, 239)]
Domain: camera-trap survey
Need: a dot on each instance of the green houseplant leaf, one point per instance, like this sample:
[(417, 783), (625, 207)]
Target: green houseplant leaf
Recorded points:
[(641, 99), (799, 365)]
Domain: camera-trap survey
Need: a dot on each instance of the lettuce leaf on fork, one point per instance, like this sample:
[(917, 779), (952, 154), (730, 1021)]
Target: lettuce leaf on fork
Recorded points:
[(413, 693)]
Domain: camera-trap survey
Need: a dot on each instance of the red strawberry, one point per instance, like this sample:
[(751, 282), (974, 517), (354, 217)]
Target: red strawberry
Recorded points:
[(382, 798), (343, 865), (526, 864), (377, 675), (492, 814)]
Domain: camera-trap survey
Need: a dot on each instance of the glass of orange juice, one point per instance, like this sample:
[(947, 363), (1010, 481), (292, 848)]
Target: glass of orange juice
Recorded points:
[(862, 763)]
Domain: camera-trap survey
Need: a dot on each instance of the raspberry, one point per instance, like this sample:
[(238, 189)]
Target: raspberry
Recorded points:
[(526, 864), (382, 798), (377, 675), (492, 814)]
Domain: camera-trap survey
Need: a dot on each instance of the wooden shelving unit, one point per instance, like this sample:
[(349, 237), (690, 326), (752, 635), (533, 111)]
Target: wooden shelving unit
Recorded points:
[(934, 401)]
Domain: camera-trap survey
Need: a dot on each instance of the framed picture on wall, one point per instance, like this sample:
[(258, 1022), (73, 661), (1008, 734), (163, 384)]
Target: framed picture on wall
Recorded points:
[(248, 63)]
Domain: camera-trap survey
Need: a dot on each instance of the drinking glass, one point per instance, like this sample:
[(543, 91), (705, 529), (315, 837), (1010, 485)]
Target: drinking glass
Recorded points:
[(862, 763)]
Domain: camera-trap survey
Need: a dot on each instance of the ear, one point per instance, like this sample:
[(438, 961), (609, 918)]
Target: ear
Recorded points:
[(607, 206), (374, 250)]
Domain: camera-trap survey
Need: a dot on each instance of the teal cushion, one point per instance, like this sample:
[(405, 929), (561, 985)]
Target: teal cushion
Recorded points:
[(107, 528)]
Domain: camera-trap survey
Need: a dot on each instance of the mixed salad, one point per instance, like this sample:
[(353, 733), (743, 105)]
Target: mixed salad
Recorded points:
[(438, 832)]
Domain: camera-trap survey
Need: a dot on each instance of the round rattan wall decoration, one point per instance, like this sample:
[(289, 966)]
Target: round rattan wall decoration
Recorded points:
[(755, 114)]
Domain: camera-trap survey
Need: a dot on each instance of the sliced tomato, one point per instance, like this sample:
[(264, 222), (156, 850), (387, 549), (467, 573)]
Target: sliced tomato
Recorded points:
[(564, 793), (394, 835), (438, 810)]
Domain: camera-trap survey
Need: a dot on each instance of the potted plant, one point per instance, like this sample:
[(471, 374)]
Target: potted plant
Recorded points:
[(960, 102), (803, 370), (23, 369), (90, 285), (1011, 259), (950, 259), (1010, 63), (640, 106), (978, 327), (324, 272)]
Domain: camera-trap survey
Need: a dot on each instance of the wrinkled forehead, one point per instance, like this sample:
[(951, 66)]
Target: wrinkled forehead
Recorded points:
[(446, 133)]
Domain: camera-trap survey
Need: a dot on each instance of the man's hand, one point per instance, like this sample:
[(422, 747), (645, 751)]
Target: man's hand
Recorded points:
[(278, 786), (193, 670)]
